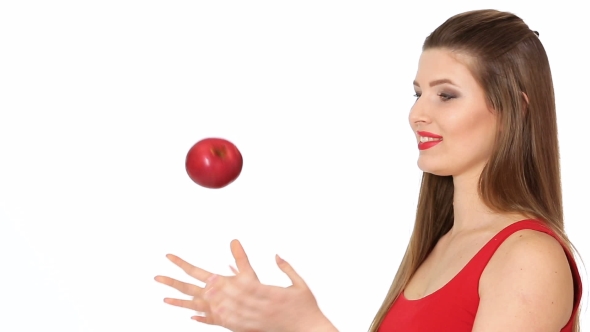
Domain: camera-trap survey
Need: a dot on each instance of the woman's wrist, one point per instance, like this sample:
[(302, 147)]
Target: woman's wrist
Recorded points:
[(321, 324), (327, 327)]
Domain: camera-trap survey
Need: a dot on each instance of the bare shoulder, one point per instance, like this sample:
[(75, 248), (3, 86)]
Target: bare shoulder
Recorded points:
[(530, 246), (527, 286)]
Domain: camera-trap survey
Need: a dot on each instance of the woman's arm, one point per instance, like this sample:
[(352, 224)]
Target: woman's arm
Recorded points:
[(527, 286)]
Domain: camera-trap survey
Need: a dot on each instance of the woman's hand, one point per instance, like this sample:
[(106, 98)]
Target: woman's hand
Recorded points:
[(241, 303)]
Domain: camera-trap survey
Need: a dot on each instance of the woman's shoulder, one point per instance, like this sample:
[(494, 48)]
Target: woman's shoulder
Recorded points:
[(528, 249), (529, 243), (529, 277)]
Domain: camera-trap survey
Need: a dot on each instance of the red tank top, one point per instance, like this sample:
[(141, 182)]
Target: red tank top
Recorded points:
[(453, 307)]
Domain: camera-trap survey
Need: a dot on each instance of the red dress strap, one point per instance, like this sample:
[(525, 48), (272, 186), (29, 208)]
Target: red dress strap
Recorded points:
[(454, 306)]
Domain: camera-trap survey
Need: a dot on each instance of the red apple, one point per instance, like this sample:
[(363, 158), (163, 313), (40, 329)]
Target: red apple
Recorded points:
[(213, 163)]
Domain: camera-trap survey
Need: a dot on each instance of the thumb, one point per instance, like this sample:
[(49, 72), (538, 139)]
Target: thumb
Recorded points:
[(290, 272)]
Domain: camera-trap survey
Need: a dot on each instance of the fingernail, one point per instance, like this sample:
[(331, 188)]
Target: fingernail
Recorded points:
[(280, 259)]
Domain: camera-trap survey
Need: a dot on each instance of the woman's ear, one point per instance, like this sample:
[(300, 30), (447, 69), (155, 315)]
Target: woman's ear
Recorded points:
[(526, 103)]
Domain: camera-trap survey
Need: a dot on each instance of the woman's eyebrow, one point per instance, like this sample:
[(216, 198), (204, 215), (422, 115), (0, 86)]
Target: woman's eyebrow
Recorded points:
[(437, 82)]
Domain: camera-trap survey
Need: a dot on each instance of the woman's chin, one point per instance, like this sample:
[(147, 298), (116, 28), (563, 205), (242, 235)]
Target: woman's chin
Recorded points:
[(432, 170)]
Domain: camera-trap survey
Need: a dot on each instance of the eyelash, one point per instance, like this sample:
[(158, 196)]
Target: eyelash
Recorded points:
[(443, 96)]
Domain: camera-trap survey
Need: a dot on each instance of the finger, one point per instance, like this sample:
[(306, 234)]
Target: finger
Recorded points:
[(241, 258), (208, 318), (290, 272), (190, 269), (194, 304), (183, 287), (203, 319)]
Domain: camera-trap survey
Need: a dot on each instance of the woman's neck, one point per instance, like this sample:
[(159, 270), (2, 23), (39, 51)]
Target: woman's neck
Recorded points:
[(470, 212)]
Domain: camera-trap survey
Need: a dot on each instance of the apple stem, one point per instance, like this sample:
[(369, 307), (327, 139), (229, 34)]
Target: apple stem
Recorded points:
[(219, 152)]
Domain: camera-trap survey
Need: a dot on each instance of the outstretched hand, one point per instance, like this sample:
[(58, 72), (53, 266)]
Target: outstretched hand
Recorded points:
[(241, 303)]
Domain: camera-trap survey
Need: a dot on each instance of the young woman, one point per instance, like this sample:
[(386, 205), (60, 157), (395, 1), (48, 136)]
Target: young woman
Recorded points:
[(488, 251)]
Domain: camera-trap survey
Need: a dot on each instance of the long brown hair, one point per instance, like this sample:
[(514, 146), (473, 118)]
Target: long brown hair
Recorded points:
[(523, 174)]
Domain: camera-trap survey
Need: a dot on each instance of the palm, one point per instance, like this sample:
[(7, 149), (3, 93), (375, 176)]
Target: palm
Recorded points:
[(241, 302)]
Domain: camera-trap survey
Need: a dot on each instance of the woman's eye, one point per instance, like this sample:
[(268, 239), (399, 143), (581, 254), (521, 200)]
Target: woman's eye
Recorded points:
[(445, 96)]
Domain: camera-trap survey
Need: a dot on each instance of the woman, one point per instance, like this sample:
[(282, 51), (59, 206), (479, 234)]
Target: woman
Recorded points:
[(488, 251)]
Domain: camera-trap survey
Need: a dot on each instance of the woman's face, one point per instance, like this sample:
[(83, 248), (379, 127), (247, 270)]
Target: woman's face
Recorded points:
[(451, 106)]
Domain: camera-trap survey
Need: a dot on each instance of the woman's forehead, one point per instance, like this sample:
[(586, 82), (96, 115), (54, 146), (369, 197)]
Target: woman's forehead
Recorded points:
[(438, 66)]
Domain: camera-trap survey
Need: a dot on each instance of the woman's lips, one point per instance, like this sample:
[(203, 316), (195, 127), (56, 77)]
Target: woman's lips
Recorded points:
[(428, 134), (427, 145), (428, 140)]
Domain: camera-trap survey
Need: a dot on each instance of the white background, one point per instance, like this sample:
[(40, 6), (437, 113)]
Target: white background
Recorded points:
[(101, 100)]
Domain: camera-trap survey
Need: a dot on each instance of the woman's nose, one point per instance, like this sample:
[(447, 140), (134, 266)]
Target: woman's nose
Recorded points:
[(418, 113)]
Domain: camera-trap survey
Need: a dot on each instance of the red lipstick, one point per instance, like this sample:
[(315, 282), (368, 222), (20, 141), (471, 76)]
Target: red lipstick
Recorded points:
[(427, 134), (428, 145)]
